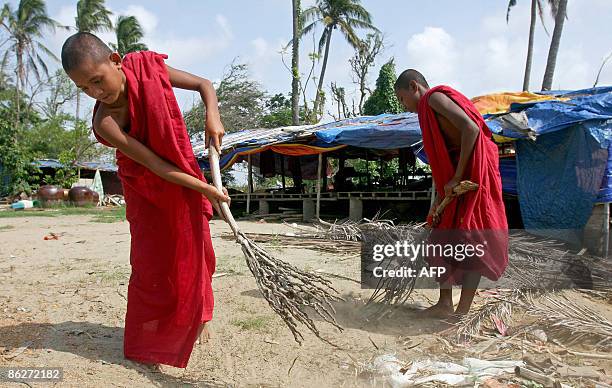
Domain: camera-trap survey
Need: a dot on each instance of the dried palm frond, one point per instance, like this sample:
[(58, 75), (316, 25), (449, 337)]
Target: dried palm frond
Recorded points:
[(559, 312)]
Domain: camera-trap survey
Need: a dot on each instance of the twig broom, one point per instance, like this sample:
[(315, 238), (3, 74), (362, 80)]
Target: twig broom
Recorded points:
[(288, 290)]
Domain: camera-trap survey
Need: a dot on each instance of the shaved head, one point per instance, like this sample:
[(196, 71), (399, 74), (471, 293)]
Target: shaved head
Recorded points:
[(407, 76), (82, 47)]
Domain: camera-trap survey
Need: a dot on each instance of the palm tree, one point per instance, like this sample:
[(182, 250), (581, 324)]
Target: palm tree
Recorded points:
[(92, 16), (333, 14), (25, 25), (559, 9), (129, 33), (536, 8), (295, 63)]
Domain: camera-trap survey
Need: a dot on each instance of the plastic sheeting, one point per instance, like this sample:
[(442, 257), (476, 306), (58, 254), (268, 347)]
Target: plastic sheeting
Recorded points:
[(605, 192), (589, 105), (381, 132), (559, 177)]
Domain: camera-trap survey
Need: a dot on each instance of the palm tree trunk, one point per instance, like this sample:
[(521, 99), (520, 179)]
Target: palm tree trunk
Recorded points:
[(322, 76), (554, 46), (295, 69), (19, 85), (530, 45)]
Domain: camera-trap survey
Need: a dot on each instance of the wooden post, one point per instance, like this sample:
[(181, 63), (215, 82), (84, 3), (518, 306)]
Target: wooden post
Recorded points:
[(368, 170), (250, 184), (319, 186), (282, 160)]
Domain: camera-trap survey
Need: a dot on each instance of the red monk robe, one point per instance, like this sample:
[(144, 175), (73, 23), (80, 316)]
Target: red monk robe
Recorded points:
[(477, 216), (172, 257)]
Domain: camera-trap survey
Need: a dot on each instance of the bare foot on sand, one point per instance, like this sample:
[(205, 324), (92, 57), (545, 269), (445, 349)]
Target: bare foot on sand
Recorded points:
[(439, 310), (147, 368), (204, 333)]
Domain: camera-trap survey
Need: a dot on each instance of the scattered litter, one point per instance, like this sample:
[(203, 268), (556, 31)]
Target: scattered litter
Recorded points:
[(539, 335), (22, 309), (80, 242), (53, 236), (528, 374), (261, 221), (269, 341), (420, 372), (23, 204), (219, 274), (18, 351), (501, 327)]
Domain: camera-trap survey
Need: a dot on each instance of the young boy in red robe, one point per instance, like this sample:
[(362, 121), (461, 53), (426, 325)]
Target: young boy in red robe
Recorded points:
[(458, 146), (168, 200)]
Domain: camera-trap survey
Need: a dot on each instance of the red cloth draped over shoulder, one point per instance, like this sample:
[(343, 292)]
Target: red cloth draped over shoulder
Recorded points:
[(172, 258), (478, 216)]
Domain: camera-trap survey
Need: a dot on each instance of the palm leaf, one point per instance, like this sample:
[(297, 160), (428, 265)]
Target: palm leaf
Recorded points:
[(511, 4)]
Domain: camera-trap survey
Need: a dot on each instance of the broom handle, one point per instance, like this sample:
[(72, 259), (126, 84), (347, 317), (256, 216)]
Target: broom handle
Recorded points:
[(213, 159)]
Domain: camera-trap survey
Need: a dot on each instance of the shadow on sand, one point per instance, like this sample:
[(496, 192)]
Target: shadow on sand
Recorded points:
[(92, 341)]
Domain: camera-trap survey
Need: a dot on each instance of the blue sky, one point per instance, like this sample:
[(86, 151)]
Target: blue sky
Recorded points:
[(466, 44)]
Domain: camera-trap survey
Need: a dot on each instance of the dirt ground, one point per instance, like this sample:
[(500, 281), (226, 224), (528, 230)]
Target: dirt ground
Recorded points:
[(65, 301)]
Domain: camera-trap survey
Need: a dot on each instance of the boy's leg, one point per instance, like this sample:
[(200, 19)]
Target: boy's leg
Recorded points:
[(468, 290), (444, 307), (203, 333)]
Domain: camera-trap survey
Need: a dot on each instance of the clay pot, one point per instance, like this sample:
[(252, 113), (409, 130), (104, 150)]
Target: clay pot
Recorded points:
[(50, 195), (66, 197), (83, 196)]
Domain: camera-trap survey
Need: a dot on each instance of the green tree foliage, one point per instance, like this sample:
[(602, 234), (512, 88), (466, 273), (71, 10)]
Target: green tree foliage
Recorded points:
[(242, 103), (129, 34), (383, 99), (92, 16), (279, 112), (25, 26), (343, 15)]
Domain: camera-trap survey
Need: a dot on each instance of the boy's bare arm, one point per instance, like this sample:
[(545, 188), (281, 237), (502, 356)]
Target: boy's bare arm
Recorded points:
[(108, 128), (214, 130), (468, 129)]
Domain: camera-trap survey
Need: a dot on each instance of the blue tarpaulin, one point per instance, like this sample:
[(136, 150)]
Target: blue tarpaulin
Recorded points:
[(568, 166), (558, 177), (379, 132)]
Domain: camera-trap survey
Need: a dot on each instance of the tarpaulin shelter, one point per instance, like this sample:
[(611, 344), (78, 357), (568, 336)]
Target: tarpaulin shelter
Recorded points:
[(563, 143), (88, 170)]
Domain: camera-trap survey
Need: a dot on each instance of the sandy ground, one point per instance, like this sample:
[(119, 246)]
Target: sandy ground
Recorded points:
[(65, 300)]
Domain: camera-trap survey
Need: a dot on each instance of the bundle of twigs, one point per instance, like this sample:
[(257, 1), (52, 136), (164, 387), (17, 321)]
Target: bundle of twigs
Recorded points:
[(289, 291), (397, 290)]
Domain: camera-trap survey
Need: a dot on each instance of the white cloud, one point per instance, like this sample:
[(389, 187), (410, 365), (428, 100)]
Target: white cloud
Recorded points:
[(146, 18), (225, 26), (184, 52), (433, 53)]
